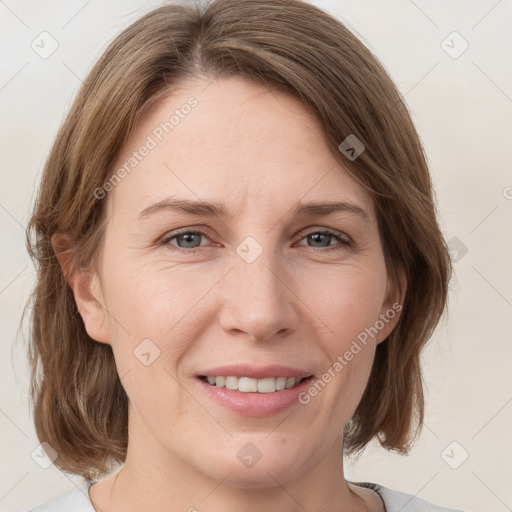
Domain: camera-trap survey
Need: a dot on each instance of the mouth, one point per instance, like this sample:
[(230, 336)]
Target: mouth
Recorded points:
[(251, 385)]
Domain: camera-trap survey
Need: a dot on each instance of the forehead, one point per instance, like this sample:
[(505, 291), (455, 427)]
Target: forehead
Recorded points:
[(235, 142)]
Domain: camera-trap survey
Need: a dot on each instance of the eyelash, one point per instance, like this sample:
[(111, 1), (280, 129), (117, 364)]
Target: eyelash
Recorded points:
[(340, 237)]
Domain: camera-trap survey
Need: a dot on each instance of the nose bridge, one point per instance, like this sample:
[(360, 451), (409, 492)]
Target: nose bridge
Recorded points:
[(258, 300), (259, 274)]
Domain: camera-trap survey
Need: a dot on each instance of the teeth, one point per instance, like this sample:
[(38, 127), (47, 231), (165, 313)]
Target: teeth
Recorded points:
[(280, 383), (231, 383), (248, 385)]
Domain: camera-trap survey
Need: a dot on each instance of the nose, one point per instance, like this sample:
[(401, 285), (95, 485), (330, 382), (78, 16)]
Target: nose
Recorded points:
[(258, 300)]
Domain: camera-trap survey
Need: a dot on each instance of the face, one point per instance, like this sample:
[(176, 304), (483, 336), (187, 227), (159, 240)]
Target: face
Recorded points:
[(265, 283)]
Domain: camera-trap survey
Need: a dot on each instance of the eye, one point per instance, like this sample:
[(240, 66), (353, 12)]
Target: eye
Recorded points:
[(320, 237), (186, 240), (189, 241)]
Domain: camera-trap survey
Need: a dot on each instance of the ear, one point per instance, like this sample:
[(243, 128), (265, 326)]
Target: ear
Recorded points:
[(392, 305), (85, 285)]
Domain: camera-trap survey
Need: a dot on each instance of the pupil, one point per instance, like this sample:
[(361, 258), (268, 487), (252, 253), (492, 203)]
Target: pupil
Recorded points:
[(315, 237), (187, 238)]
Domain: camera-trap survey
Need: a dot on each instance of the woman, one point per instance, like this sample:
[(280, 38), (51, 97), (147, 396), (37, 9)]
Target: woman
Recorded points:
[(239, 264)]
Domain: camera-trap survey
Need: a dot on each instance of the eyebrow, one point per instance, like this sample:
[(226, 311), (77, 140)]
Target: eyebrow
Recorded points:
[(215, 209)]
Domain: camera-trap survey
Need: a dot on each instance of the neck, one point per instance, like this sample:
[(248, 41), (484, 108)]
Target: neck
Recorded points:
[(153, 478)]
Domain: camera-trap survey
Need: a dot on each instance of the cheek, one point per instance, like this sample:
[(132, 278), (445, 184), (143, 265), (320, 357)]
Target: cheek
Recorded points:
[(348, 304), (147, 297), (151, 331), (347, 300), (159, 302)]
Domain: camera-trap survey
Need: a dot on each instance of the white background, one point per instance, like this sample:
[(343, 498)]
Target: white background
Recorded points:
[(462, 108)]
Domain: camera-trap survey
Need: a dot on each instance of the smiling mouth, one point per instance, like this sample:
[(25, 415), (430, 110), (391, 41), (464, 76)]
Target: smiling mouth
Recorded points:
[(250, 385)]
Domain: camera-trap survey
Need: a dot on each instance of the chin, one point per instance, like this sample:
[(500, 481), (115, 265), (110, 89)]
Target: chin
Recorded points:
[(250, 467), (261, 477)]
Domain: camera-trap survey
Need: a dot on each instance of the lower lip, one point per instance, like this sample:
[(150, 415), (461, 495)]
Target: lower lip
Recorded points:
[(255, 404)]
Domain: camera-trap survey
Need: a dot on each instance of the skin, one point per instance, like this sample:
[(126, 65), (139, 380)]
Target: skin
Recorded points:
[(300, 303)]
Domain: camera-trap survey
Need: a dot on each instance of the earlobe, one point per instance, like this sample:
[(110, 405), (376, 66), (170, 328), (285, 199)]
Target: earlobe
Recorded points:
[(86, 290)]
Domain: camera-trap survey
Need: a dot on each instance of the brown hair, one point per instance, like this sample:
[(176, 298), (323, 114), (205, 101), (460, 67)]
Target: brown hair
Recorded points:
[(80, 406)]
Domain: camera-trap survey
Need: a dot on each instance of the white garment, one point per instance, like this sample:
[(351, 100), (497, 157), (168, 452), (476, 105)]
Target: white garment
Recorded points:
[(394, 501)]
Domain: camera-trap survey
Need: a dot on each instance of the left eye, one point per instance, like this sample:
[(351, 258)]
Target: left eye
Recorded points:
[(189, 239), (318, 236)]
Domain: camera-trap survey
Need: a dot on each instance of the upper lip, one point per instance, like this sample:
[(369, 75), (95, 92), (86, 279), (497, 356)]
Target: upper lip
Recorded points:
[(255, 372)]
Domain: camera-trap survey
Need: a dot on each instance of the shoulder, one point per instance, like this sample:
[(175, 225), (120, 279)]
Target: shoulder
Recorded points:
[(396, 501), (74, 501)]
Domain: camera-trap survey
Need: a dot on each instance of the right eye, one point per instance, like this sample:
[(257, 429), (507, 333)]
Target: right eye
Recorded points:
[(186, 240)]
